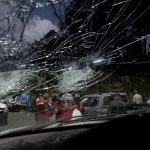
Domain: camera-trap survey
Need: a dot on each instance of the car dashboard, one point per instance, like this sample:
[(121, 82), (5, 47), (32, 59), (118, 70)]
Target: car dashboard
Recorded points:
[(127, 132), (38, 141)]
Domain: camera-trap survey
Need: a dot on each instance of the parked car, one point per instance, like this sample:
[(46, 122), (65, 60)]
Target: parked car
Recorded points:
[(3, 113), (99, 103), (13, 102)]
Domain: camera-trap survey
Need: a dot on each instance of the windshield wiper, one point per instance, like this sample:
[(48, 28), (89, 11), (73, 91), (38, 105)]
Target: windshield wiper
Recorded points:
[(60, 123), (77, 119)]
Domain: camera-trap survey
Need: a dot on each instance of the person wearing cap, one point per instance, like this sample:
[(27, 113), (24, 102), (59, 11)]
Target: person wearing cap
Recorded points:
[(137, 98), (67, 96), (42, 110), (66, 109)]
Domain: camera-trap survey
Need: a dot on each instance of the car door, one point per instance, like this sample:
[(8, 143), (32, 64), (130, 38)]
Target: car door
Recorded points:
[(105, 103), (91, 105)]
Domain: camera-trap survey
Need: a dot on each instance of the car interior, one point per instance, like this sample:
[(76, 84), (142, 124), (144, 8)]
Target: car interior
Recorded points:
[(124, 131)]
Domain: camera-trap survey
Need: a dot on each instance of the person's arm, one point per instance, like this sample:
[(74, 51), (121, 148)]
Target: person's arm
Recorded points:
[(54, 114)]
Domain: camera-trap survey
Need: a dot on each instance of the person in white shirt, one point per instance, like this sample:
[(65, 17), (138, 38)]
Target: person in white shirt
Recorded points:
[(76, 113), (137, 98)]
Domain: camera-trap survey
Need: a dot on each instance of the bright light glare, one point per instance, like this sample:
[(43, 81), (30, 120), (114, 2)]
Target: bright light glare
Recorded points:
[(98, 60)]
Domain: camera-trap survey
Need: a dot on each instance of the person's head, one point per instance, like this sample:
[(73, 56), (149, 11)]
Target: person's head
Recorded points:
[(66, 104), (46, 95), (67, 96), (62, 106)]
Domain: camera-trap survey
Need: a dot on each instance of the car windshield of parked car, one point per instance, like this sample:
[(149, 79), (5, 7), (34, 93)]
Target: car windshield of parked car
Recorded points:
[(68, 58)]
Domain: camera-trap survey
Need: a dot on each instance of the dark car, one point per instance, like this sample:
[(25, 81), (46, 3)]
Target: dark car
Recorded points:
[(13, 102)]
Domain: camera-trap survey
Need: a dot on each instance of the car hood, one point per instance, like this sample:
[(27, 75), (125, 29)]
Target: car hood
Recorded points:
[(53, 125)]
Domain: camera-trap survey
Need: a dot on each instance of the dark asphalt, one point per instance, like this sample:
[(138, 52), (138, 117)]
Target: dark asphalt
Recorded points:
[(18, 119)]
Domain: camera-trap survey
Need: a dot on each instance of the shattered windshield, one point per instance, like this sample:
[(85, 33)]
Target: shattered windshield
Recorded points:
[(68, 58)]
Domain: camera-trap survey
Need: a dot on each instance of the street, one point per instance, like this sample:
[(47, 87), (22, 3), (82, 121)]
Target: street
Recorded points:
[(18, 119)]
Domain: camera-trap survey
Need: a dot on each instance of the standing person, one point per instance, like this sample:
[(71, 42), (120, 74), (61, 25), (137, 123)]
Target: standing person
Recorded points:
[(137, 98), (37, 107), (66, 109), (52, 105), (117, 106), (42, 111), (25, 100)]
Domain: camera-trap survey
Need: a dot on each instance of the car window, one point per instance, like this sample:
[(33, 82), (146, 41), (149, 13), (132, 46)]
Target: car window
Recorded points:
[(107, 100), (91, 102)]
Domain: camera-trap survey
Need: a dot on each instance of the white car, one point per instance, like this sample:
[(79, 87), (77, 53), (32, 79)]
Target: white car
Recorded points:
[(3, 113), (99, 103)]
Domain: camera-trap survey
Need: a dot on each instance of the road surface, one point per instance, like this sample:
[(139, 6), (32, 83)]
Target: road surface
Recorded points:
[(19, 119)]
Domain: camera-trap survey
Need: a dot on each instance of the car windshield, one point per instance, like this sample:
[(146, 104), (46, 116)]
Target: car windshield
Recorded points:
[(68, 58)]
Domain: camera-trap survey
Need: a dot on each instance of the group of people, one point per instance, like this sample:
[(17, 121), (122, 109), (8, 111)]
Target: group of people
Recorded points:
[(50, 109), (68, 106)]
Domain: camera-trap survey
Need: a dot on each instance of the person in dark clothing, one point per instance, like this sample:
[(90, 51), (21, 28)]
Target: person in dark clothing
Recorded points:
[(117, 106), (26, 102)]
